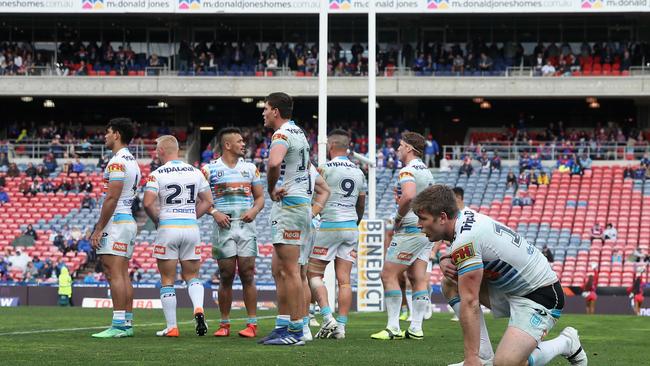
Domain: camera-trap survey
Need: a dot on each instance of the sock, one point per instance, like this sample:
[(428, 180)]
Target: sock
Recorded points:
[(168, 299), (485, 349), (196, 291), (282, 321), (420, 302), (224, 321), (305, 324), (252, 320), (342, 320), (295, 326), (409, 301), (404, 309), (326, 312), (393, 300), (128, 319), (548, 350), (119, 320)]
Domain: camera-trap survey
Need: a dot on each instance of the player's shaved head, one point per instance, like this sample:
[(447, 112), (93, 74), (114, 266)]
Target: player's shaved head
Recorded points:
[(435, 200), (339, 139), (227, 133), (168, 144)]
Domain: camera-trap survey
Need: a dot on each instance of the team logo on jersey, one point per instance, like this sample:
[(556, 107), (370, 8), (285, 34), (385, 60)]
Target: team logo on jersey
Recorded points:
[(245, 174), (151, 178), (291, 234), (320, 251), (159, 249), (197, 250), (116, 167), (404, 175), (120, 247), (279, 136), (219, 174), (463, 253), (404, 256)]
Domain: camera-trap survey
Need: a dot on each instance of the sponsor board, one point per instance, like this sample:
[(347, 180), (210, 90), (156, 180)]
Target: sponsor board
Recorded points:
[(101, 303), (9, 302), (370, 261)]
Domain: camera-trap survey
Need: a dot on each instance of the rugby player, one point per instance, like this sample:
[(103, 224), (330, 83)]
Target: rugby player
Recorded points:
[(289, 188), (170, 200), (114, 235), (491, 264), (338, 235), (238, 199), (409, 250)]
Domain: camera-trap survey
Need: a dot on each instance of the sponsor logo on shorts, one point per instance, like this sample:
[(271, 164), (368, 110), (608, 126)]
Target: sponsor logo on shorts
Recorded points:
[(404, 256), (159, 249), (463, 253), (291, 235), (197, 251), (319, 251), (120, 247)]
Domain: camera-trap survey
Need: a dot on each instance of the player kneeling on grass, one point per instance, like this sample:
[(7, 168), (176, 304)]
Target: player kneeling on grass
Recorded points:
[(490, 264), (170, 200), (338, 236)]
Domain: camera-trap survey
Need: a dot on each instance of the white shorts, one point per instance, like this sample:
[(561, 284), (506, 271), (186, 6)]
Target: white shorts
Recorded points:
[(239, 240), (406, 247), (525, 314), (118, 237), (336, 240), (178, 240), (291, 221)]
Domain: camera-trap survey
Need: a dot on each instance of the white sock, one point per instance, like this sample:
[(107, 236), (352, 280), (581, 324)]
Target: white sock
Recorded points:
[(485, 350), (119, 319), (168, 299), (409, 300), (420, 303), (393, 300), (196, 291), (548, 350)]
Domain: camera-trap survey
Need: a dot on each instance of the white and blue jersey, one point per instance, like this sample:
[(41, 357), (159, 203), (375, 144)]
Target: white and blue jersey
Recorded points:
[(294, 172), (123, 168), (510, 264), (232, 188), (415, 171)]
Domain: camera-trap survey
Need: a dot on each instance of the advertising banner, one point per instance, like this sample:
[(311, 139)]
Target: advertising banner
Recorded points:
[(370, 261)]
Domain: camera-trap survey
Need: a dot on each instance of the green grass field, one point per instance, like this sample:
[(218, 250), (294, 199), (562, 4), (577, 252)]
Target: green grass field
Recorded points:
[(47, 335)]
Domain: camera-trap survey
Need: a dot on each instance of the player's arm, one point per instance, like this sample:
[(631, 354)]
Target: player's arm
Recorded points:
[(360, 206), (404, 203), (258, 204), (322, 195), (205, 203), (279, 148), (108, 208), (150, 205)]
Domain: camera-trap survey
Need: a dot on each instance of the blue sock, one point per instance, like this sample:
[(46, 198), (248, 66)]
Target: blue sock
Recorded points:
[(342, 319), (295, 326), (251, 320), (119, 320), (282, 321), (305, 321), (325, 310), (225, 321), (129, 319)]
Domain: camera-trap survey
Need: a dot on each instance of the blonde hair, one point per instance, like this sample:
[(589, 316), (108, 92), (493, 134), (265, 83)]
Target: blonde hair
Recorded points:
[(168, 144)]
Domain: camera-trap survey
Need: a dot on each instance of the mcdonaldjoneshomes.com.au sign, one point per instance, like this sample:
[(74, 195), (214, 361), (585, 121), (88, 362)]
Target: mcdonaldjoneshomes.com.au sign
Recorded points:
[(314, 6)]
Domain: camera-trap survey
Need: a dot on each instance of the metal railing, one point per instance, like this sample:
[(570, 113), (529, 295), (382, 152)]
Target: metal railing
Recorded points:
[(510, 151), (39, 149)]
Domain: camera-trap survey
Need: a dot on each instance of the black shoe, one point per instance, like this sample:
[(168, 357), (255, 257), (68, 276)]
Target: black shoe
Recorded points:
[(201, 326)]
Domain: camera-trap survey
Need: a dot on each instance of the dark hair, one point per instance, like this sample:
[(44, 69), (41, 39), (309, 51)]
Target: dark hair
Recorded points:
[(124, 126), (283, 102), (416, 140), (338, 131), (436, 199), (226, 131), (458, 191)]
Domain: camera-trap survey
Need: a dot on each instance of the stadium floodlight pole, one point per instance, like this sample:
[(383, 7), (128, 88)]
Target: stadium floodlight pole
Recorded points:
[(322, 80), (372, 110)]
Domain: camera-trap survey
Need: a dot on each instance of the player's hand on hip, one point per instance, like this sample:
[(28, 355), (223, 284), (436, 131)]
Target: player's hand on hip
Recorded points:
[(448, 268), (95, 239), (222, 219), (278, 193), (248, 216)]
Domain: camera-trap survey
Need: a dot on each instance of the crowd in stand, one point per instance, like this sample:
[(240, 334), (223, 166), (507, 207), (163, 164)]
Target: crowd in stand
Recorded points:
[(550, 59), (33, 269)]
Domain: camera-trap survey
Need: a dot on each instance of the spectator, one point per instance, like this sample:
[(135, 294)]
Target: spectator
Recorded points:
[(48, 186), (548, 254), (19, 260), (617, 257), (49, 161), (431, 151), (597, 233), (88, 202), (542, 179), (77, 166), (548, 69), (523, 198), (48, 270), (35, 187), (30, 274), (636, 256), (3, 180), (30, 171), (466, 168), (86, 186), (59, 241), (610, 232), (38, 264), (524, 179), (495, 164), (524, 162), (645, 161), (4, 161), (102, 161), (30, 232), (485, 63), (89, 278), (639, 173), (4, 197), (628, 172), (511, 180), (13, 171), (576, 169), (585, 161), (445, 165), (42, 172)]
